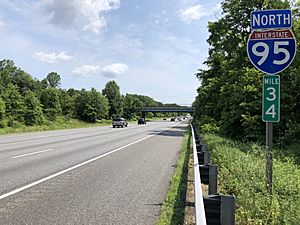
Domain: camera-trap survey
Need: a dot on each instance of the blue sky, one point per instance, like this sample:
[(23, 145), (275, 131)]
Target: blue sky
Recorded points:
[(150, 48)]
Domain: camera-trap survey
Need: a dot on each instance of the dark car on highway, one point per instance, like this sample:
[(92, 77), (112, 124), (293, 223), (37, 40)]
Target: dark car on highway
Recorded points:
[(141, 121)]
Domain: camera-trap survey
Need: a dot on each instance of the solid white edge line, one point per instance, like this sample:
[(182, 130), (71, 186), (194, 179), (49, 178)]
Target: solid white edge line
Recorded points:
[(76, 166), (32, 153)]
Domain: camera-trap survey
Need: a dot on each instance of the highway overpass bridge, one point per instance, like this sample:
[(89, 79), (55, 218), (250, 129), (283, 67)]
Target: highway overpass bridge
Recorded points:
[(166, 109)]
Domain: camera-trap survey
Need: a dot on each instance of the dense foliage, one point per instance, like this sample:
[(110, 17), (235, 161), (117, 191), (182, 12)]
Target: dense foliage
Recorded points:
[(241, 172), (229, 98), (28, 101)]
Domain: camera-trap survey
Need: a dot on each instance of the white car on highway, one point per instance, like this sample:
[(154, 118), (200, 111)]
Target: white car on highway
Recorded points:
[(119, 122)]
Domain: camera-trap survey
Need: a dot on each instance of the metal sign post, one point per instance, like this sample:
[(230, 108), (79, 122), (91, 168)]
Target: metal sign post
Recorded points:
[(271, 113), (269, 156), (271, 48)]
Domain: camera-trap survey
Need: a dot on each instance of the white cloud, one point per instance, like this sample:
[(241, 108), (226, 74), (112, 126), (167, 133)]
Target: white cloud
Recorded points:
[(91, 11), (193, 13), (114, 70), (52, 57), (87, 70), (87, 14), (111, 70), (1, 25), (197, 12)]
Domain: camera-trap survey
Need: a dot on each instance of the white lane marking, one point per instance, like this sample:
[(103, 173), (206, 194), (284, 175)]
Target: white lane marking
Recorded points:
[(76, 166), (32, 153)]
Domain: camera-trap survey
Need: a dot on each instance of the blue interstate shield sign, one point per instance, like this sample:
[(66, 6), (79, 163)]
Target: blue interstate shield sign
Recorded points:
[(271, 51)]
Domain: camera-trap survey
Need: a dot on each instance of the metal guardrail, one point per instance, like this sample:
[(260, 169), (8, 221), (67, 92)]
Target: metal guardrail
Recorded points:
[(214, 209), (199, 203)]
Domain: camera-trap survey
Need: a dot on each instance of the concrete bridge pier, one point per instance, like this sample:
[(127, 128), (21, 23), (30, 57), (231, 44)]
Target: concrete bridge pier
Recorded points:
[(143, 114)]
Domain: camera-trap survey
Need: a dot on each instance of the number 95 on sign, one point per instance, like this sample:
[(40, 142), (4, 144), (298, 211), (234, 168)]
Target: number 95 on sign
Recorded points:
[(271, 51)]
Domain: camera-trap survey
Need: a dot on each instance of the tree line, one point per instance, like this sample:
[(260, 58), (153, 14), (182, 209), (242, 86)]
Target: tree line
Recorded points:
[(26, 100), (229, 99)]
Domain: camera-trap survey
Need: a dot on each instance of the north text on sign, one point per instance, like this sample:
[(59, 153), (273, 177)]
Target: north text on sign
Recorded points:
[(271, 19), (268, 19)]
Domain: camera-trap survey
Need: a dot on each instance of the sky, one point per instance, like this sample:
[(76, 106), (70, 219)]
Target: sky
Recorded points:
[(149, 47)]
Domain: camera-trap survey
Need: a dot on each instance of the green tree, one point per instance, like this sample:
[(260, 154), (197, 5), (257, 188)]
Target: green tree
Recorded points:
[(67, 101), (91, 105), (24, 81), (2, 109), (6, 69), (10, 74), (230, 91), (33, 113), (14, 104), (3, 123), (148, 101), (52, 80), (132, 105), (112, 93), (50, 99)]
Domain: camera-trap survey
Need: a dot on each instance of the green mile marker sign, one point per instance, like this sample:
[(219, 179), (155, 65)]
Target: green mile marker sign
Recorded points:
[(271, 98)]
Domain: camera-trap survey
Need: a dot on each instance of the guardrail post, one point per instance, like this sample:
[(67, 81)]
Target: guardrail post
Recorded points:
[(199, 147), (203, 157), (208, 175), (220, 209)]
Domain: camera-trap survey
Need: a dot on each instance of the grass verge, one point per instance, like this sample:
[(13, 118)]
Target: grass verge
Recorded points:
[(173, 207), (59, 123), (242, 173)]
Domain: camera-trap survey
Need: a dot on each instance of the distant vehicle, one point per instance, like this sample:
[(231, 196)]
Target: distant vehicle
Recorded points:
[(164, 119), (173, 119), (141, 121), (119, 122)]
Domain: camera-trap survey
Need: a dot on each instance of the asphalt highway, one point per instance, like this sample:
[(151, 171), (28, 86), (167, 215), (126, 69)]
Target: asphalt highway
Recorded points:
[(99, 175)]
